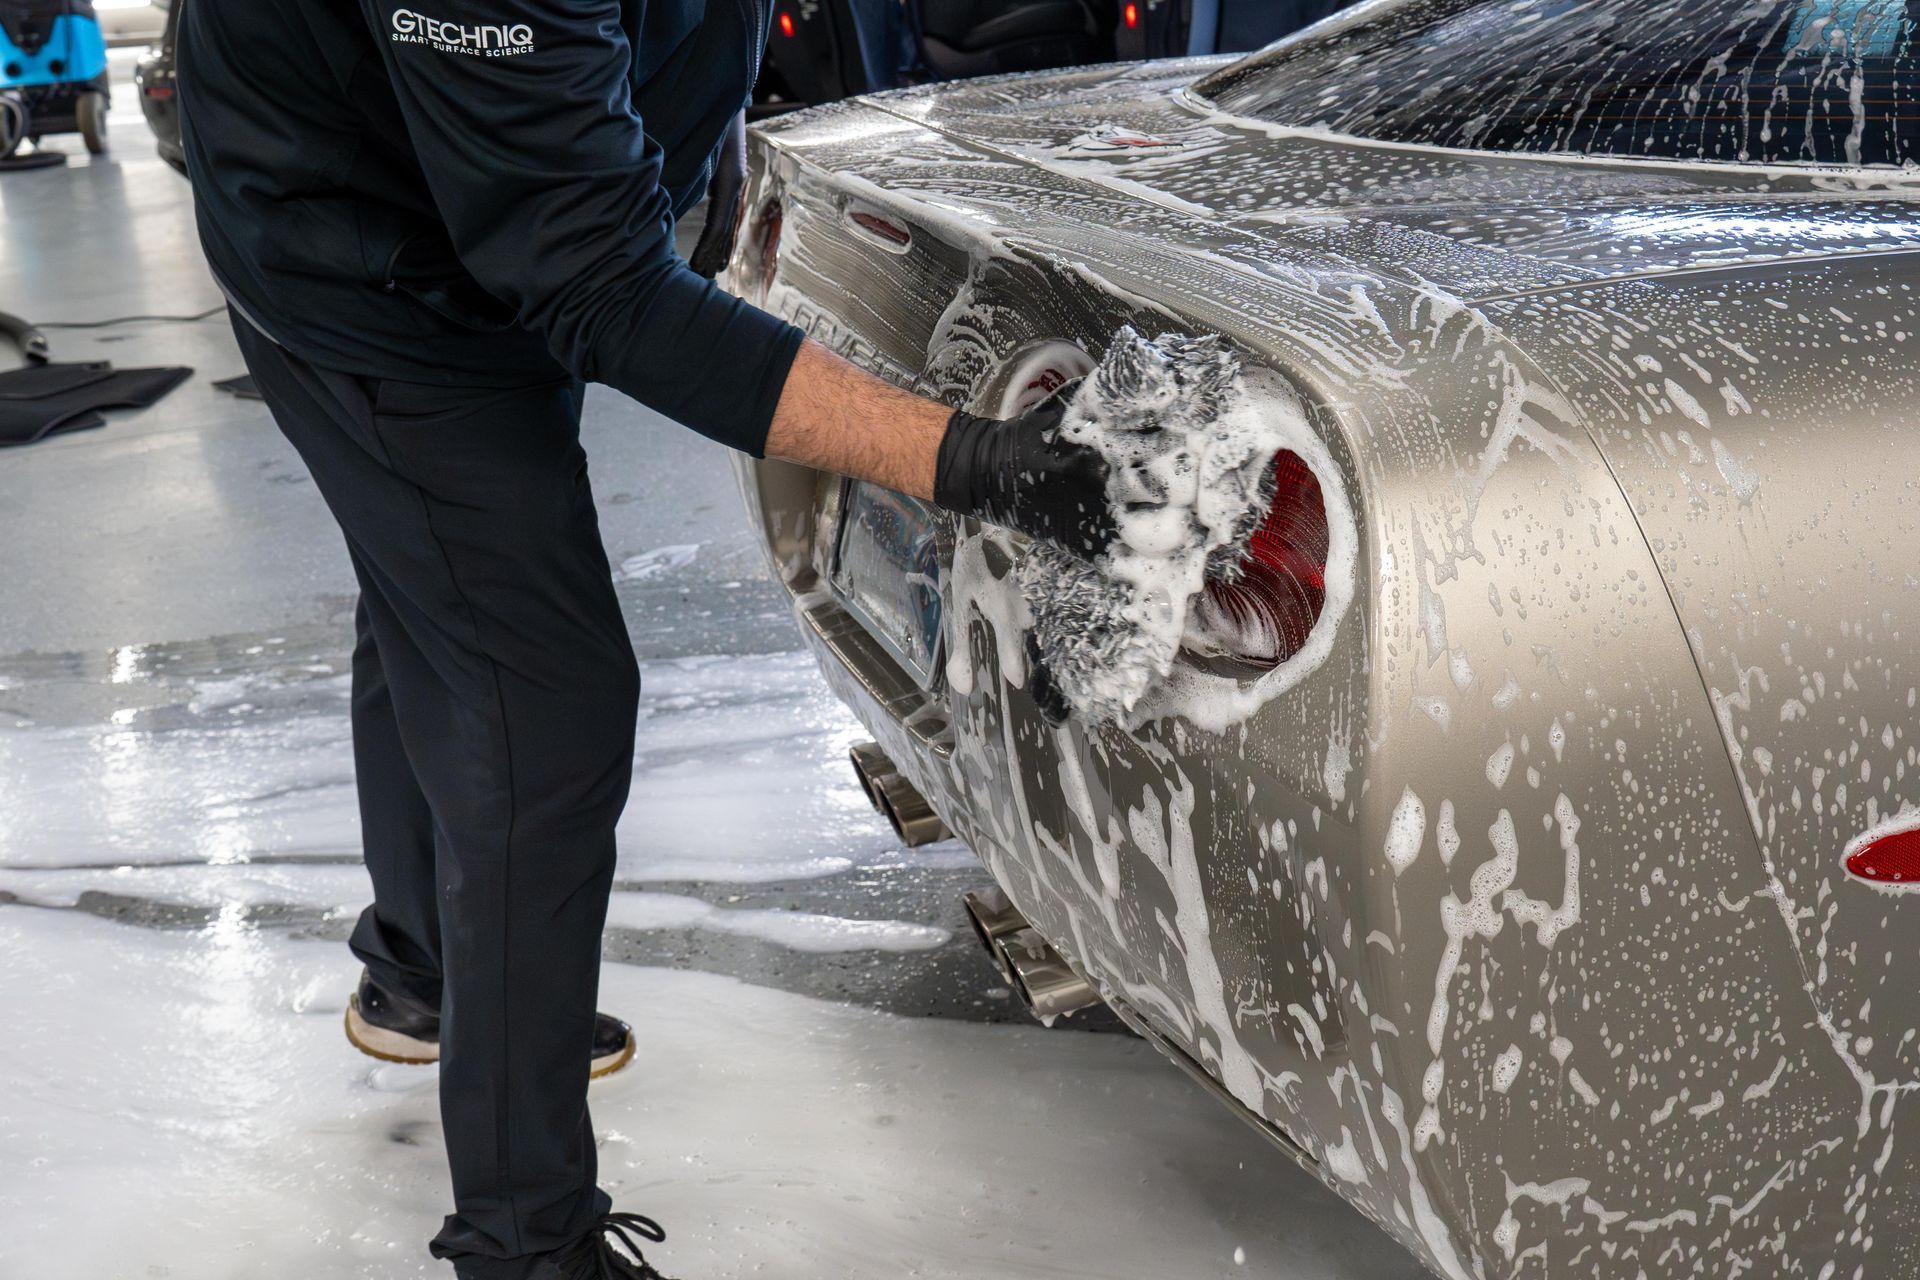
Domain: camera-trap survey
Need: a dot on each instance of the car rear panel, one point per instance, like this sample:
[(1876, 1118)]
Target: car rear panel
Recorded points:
[(1471, 917), (1103, 837)]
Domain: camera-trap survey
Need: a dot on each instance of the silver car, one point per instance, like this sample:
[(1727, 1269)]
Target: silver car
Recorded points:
[(1537, 872)]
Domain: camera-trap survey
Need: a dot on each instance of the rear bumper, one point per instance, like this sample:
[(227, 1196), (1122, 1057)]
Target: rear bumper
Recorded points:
[(909, 722)]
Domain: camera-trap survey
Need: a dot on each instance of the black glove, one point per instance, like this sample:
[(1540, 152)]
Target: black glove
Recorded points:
[(1023, 474), (726, 196)]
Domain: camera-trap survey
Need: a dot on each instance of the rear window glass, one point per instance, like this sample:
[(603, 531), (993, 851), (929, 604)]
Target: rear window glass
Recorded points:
[(1821, 82)]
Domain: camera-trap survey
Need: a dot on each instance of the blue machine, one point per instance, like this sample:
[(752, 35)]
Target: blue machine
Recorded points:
[(53, 72)]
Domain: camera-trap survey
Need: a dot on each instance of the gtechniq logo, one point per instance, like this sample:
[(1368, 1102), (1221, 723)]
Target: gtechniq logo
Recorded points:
[(486, 40)]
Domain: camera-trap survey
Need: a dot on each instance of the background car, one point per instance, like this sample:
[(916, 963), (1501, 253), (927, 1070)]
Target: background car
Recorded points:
[(153, 80), (824, 50), (1550, 896)]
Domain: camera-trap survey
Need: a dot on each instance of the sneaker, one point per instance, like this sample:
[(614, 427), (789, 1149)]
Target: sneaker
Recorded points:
[(378, 1027), (595, 1256)]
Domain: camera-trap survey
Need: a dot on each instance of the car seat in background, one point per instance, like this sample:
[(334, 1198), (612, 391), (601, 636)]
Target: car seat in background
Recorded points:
[(1179, 28), (824, 50), (815, 53), (986, 37)]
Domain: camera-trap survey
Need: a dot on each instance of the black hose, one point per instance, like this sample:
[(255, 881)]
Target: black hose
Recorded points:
[(24, 335), (208, 314)]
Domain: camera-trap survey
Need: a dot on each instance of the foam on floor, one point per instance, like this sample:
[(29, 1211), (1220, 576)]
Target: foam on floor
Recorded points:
[(184, 1104)]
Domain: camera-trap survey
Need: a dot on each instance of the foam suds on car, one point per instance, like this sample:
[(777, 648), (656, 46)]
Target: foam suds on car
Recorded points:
[(1190, 450)]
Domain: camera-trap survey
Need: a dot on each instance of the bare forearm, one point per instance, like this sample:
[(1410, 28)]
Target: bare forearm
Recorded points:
[(835, 417), (1021, 473)]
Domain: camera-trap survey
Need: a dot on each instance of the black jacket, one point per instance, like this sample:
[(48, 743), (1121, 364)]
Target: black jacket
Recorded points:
[(464, 191)]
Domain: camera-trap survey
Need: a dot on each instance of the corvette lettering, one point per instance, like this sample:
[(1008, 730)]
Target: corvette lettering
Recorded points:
[(482, 40)]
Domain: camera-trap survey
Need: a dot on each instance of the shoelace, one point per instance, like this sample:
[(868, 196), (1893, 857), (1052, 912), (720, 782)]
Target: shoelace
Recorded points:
[(623, 1227)]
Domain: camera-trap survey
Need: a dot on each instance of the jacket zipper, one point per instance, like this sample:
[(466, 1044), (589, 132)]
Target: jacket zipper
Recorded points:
[(758, 52)]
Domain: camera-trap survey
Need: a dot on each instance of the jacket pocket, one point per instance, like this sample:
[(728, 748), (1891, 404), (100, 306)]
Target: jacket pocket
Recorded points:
[(423, 267)]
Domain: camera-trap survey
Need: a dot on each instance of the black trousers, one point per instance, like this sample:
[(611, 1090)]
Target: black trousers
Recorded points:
[(494, 695)]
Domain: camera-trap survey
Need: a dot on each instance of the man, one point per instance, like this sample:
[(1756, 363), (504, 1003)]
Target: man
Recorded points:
[(434, 225)]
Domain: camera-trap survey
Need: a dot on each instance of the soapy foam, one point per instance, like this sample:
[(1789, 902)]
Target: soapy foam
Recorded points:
[(1189, 450), (1217, 703), (795, 930), (1191, 438), (203, 1090)]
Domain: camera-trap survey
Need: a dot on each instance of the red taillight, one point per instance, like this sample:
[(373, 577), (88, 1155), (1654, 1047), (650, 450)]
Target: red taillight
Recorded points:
[(1891, 860), (1264, 616), (1037, 373), (159, 92), (895, 235), (771, 218), (786, 24), (1043, 384), (1131, 15)]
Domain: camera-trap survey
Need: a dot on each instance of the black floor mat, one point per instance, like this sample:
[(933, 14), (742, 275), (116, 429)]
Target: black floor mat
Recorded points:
[(38, 381), (30, 424), (26, 417)]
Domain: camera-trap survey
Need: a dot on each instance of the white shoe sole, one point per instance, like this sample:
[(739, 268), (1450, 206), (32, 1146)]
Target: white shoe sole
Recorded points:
[(612, 1062), (391, 1046), (388, 1046)]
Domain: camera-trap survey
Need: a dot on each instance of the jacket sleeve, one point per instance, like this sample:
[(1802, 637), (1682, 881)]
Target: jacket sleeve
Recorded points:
[(521, 113)]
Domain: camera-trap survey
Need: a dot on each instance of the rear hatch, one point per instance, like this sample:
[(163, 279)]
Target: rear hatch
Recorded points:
[(1474, 224)]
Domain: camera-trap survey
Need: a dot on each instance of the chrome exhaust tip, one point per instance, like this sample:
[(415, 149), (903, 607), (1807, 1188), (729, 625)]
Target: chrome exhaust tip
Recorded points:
[(904, 808), (993, 916), (1047, 985), (913, 819), (868, 763), (1044, 981)]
